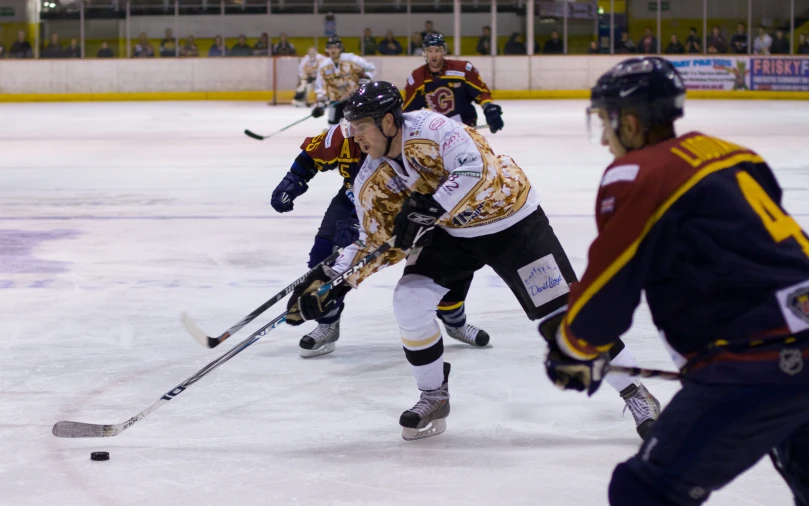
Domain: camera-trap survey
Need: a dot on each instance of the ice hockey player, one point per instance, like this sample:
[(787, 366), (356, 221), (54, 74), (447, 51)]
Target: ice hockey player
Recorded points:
[(307, 73), (438, 187), (338, 76), (450, 87), (696, 222), (339, 228)]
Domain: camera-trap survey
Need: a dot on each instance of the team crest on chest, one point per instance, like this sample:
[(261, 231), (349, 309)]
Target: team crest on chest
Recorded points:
[(798, 303), (442, 100)]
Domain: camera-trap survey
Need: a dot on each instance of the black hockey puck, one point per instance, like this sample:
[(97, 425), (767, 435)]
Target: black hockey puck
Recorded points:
[(100, 456)]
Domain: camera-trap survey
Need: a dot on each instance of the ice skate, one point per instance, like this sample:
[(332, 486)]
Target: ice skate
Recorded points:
[(468, 334), (428, 417), (643, 406), (320, 341)]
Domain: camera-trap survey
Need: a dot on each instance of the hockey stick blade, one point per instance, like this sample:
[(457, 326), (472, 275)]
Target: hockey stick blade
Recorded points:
[(646, 373), (212, 342), (80, 429), (262, 137), (254, 135)]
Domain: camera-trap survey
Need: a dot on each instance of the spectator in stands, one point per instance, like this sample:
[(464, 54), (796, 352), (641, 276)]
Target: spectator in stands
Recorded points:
[(716, 42), (781, 44), (648, 43), (73, 50), (262, 47), (428, 29), (693, 44), (485, 41), (594, 49), (105, 51), (241, 48), (21, 47), (284, 47), (2, 51), (763, 42), (54, 48), (218, 48), (625, 45), (738, 43), (168, 40), (675, 46), (389, 45), (190, 48), (368, 43), (554, 45), (515, 44), (803, 45), (143, 49), (415, 44)]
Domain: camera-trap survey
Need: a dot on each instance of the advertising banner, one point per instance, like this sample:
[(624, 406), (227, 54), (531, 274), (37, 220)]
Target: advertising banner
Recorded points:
[(780, 74), (721, 73)]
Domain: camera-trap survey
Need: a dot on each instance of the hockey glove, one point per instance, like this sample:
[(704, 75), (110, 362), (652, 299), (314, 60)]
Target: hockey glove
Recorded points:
[(305, 304), (494, 115), (566, 372), (319, 110), (290, 188), (414, 224)]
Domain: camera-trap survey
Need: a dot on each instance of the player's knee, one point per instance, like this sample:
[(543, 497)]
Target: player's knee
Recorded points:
[(415, 299), (627, 489)]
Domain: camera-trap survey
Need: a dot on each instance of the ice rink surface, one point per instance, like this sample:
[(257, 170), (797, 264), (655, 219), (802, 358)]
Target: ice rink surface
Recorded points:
[(116, 217)]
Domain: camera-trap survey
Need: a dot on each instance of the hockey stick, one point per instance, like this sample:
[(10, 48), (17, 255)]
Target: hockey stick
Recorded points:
[(212, 342), (262, 137), (646, 373), (81, 429)]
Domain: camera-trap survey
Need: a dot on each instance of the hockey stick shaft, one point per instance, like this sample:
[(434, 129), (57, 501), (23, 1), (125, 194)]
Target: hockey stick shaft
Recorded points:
[(646, 373), (212, 342), (262, 137), (80, 429)]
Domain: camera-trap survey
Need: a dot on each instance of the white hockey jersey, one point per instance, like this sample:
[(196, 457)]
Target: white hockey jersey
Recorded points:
[(337, 81), (309, 65), (483, 193)]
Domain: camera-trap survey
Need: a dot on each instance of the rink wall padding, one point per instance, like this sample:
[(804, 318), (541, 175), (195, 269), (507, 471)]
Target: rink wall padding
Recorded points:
[(510, 77)]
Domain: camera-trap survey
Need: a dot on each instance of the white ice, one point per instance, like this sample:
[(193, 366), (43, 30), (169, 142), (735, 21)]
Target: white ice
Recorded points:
[(116, 217)]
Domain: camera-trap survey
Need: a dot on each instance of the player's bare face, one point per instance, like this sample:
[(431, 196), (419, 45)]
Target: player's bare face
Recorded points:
[(609, 137), (333, 52), (435, 58), (368, 137)]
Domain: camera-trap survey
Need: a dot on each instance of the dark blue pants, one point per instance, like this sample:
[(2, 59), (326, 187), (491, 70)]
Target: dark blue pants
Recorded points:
[(710, 434)]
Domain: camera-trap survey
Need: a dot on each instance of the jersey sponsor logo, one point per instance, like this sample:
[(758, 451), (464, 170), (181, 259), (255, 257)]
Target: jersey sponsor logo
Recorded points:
[(421, 119), (798, 303), (410, 80), (437, 123), (468, 173), (396, 184), (456, 73), (465, 217), (441, 100), (607, 206), (620, 173), (330, 135), (466, 159), (469, 66), (452, 141), (794, 303)]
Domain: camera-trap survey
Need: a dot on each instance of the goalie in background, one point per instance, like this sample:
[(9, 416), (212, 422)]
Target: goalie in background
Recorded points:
[(307, 73)]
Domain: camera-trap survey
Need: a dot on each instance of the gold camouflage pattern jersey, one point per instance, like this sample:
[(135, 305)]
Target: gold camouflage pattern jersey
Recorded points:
[(483, 193), (337, 81), (309, 65)]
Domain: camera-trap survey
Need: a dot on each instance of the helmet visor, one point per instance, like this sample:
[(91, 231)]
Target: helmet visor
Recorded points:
[(357, 127), (597, 128)]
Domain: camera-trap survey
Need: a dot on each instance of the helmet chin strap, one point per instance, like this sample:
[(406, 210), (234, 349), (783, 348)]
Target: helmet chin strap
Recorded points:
[(389, 138)]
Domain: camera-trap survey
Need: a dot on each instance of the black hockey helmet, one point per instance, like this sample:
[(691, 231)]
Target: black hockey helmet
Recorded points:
[(434, 39), (334, 40), (373, 100), (650, 86)]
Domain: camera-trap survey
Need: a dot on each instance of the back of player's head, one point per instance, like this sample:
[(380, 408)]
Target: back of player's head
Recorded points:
[(434, 39), (650, 87), (334, 41), (374, 100)]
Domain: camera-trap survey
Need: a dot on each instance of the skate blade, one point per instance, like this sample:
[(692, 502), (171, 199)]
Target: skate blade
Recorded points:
[(323, 350), (435, 428)]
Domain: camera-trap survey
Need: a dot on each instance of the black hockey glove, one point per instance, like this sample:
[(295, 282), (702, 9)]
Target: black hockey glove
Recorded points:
[(319, 110), (494, 115), (305, 304), (566, 372), (414, 224), (290, 188)]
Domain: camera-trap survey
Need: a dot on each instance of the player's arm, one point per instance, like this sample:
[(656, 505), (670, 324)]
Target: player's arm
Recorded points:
[(302, 68), (320, 86), (480, 92), (466, 170), (414, 94), (368, 68)]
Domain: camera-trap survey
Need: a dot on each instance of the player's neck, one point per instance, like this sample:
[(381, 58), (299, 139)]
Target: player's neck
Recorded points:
[(396, 145), (435, 70)]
